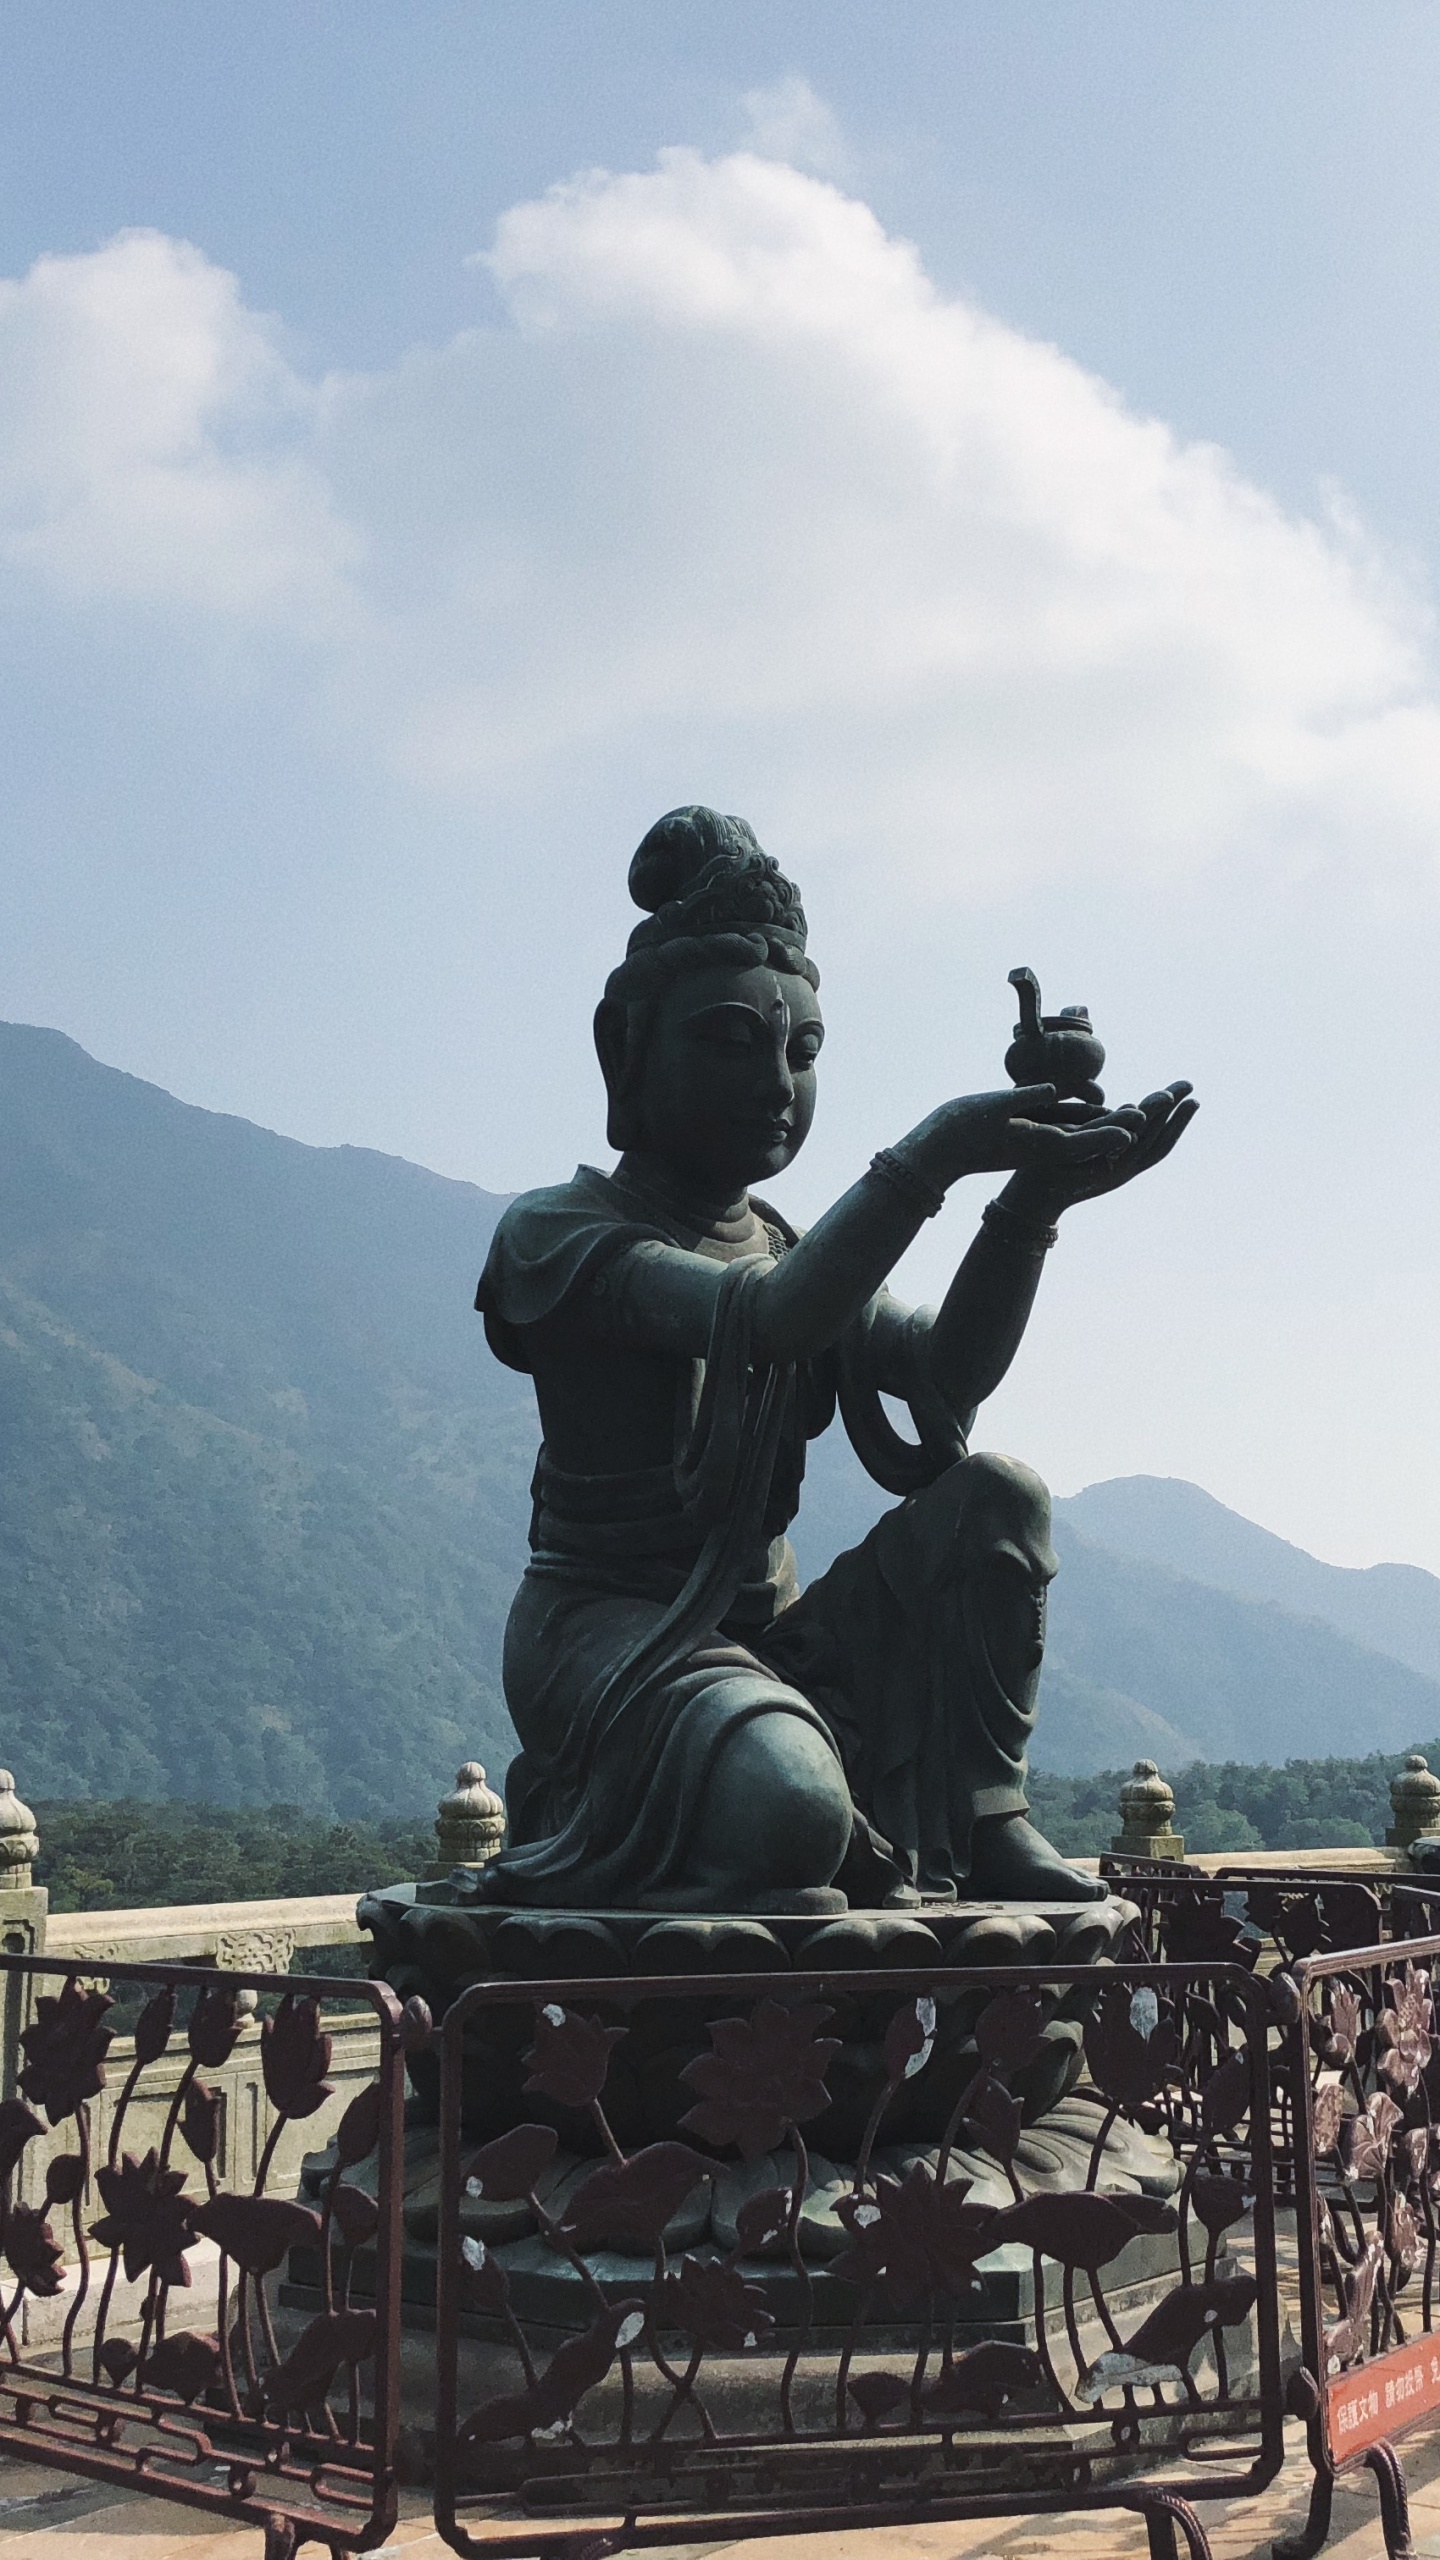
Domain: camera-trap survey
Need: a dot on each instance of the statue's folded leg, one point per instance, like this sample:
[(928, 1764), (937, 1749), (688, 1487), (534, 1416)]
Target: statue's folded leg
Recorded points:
[(719, 1787), (922, 1649)]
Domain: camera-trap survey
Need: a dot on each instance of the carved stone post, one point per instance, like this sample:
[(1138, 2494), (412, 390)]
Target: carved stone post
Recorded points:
[(1415, 1803), (1147, 1817), (23, 1909), (470, 1825)]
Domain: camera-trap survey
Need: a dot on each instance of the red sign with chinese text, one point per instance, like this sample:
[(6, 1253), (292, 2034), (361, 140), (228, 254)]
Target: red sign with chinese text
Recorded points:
[(1382, 2398)]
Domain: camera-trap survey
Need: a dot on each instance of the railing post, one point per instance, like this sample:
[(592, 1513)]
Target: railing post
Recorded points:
[(470, 1824), (1414, 1803), (1147, 1817), (24, 1906)]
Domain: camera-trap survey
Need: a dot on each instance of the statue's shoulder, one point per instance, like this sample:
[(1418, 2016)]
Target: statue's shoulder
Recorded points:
[(782, 1234), (547, 1245)]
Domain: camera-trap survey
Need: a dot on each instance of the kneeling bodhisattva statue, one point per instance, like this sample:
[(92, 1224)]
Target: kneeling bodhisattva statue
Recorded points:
[(697, 1733)]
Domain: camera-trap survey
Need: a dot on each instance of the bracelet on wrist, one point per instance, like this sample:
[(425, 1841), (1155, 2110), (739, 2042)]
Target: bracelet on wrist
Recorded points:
[(912, 1186), (1016, 1228)]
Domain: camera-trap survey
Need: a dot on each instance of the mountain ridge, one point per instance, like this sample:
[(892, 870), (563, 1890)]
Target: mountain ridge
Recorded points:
[(1392, 1608)]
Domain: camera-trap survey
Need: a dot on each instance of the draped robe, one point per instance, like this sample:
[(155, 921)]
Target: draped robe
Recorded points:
[(661, 1611)]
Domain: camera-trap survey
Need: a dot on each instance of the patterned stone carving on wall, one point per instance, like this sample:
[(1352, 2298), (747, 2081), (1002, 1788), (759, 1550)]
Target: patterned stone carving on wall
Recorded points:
[(255, 1950)]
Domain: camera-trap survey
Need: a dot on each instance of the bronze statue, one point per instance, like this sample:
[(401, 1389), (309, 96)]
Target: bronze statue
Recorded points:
[(697, 1734)]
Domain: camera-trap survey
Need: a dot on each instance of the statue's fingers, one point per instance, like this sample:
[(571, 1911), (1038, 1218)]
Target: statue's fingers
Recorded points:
[(1032, 1097), (1174, 1129)]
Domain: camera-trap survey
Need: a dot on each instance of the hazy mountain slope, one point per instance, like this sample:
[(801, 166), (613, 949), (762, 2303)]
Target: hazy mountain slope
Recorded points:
[(263, 1496), (1393, 1608), (1241, 1679)]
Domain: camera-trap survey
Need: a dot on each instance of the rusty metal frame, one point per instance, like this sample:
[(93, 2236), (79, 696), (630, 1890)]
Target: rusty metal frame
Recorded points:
[(311, 2481), (1162, 2496), (1330, 2354)]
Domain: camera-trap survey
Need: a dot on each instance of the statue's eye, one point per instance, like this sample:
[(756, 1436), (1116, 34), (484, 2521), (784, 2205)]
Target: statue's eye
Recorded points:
[(805, 1047)]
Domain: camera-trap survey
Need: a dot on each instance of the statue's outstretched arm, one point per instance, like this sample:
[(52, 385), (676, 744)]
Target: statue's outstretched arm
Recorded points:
[(664, 1297), (973, 1339)]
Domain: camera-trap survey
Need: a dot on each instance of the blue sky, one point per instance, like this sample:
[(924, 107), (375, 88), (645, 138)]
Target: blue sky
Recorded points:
[(991, 447)]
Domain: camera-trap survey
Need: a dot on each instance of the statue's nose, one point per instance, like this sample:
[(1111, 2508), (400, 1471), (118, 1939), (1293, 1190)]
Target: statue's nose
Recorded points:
[(779, 1083)]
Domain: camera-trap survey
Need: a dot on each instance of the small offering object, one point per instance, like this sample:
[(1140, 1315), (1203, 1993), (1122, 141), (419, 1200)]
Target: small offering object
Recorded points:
[(1054, 1048)]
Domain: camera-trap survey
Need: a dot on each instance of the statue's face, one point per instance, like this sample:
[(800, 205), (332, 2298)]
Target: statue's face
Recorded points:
[(729, 1080)]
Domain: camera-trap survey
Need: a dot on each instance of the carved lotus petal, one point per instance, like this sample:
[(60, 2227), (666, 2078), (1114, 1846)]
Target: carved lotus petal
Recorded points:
[(187, 2363), (65, 2049), (295, 2056), (1219, 2202), (1226, 2096), (153, 2026), (31, 2250), (715, 2307), (359, 2128), (1011, 2030), (356, 2215), (1168, 2339), (215, 2025), (766, 2073), (147, 2217), (983, 2380), (910, 2039), (200, 2120), (256, 2231), (763, 2220), (627, 2204), (574, 2369), (876, 2394), (17, 2127), (570, 2057), (508, 2167)]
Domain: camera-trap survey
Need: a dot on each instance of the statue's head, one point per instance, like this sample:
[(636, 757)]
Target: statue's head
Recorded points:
[(709, 1029)]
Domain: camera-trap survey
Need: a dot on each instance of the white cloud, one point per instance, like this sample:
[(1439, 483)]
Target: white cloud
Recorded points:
[(152, 440), (787, 121), (736, 492)]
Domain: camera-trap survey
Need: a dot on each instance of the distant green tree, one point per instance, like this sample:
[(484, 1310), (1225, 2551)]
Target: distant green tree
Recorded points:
[(133, 1856)]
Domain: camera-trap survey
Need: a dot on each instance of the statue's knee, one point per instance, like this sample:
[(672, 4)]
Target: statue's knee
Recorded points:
[(778, 1799)]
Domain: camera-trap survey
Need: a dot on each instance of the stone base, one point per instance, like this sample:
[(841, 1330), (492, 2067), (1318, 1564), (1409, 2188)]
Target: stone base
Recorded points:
[(435, 1940)]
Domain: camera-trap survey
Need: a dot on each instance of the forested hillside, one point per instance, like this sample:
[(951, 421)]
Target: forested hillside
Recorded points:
[(263, 1494)]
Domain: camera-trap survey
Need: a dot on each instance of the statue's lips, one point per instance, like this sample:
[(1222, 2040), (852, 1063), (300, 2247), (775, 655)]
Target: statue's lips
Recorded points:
[(774, 1133)]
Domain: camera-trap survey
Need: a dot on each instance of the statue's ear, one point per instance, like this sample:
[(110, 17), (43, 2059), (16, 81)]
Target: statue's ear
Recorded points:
[(613, 1048)]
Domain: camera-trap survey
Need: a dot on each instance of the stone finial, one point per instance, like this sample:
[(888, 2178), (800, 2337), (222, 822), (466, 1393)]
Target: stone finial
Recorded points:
[(1147, 1816), (1415, 1802), (19, 1839), (470, 1825)]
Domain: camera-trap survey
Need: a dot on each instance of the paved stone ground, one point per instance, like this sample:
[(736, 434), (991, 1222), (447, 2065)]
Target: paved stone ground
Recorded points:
[(45, 2517)]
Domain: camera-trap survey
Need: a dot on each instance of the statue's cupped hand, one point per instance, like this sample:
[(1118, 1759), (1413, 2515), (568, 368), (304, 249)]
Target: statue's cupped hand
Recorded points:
[(1027, 1129), (1054, 1177)]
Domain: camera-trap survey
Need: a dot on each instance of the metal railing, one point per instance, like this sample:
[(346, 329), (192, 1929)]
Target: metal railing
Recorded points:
[(143, 2224), (1366, 2069), (789, 2252)]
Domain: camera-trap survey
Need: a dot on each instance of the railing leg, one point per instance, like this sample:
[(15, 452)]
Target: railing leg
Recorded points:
[(1315, 2531), (1163, 2510), (1389, 2472)]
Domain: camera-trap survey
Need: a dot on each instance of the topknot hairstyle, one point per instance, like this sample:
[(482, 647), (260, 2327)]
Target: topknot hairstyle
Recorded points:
[(713, 899), (707, 885)]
